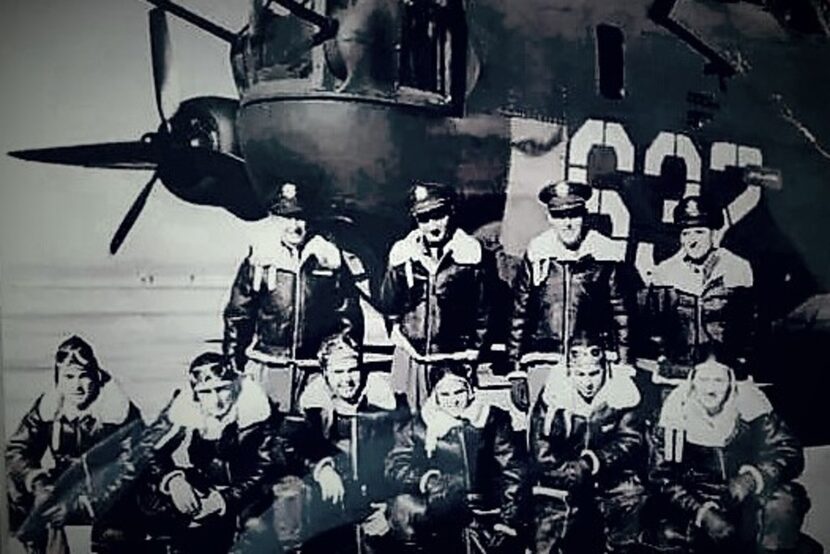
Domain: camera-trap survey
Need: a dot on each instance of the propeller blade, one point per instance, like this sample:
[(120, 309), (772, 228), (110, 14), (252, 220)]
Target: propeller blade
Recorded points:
[(160, 53), (132, 215), (111, 155)]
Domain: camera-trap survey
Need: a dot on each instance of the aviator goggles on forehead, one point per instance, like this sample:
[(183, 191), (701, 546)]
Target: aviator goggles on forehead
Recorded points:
[(591, 352), (71, 357)]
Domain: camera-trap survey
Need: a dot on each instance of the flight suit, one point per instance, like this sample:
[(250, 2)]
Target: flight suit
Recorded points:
[(577, 509), (690, 466)]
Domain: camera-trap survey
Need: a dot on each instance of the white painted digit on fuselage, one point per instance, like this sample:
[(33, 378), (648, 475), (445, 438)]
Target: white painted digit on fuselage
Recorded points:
[(668, 144), (596, 132), (727, 154)]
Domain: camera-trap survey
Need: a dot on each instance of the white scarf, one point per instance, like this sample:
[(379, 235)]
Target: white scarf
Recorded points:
[(438, 422), (684, 419)]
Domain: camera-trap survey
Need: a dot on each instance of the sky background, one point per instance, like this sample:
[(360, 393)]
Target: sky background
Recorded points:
[(79, 72)]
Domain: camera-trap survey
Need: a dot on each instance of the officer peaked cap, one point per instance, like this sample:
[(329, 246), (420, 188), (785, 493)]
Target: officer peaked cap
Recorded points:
[(564, 197), (426, 197), (695, 211)]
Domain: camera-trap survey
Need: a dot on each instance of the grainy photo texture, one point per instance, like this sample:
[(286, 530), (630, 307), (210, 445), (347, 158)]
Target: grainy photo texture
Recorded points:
[(415, 276)]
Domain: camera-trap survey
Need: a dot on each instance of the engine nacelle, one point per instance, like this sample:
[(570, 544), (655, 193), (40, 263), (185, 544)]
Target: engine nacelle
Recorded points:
[(202, 161)]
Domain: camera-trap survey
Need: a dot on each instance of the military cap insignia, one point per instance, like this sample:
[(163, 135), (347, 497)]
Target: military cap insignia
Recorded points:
[(420, 193), (289, 191), (693, 208), (562, 189)]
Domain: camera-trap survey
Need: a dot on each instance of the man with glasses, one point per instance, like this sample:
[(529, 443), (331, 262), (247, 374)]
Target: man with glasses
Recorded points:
[(435, 292)]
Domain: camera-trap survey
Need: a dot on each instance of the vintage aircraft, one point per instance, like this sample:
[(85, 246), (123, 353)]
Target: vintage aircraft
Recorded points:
[(646, 100)]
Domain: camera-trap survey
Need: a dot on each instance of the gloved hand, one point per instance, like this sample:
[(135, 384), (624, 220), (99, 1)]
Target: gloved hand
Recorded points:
[(331, 485), (376, 523), (56, 515), (445, 494), (520, 393), (575, 473), (183, 495), (715, 524), (501, 539), (740, 488), (41, 490), (213, 503), (406, 516)]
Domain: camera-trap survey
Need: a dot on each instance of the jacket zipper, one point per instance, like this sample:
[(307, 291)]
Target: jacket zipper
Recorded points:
[(566, 312), (722, 464), (295, 338), (465, 459), (431, 278), (428, 322), (353, 448), (698, 321), (588, 430)]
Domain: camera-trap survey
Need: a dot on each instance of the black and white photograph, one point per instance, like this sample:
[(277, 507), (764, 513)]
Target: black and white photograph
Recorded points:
[(415, 276)]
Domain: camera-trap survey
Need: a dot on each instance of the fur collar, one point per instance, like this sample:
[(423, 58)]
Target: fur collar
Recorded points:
[(595, 244), (252, 407), (438, 422), (682, 414), (266, 259), (619, 393), (317, 395), (269, 251), (111, 406), (463, 248), (722, 268)]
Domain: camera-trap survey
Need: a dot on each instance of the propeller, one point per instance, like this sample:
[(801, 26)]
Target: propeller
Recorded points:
[(193, 151), (109, 155), (166, 102), (132, 214), (160, 54)]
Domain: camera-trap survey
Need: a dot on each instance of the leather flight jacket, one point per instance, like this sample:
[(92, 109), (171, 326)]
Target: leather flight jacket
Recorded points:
[(686, 472), (439, 306), (692, 309), (558, 294), (484, 457), (290, 302), (608, 432)]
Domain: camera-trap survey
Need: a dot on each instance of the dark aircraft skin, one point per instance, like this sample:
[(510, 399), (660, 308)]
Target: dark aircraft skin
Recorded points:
[(357, 100)]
